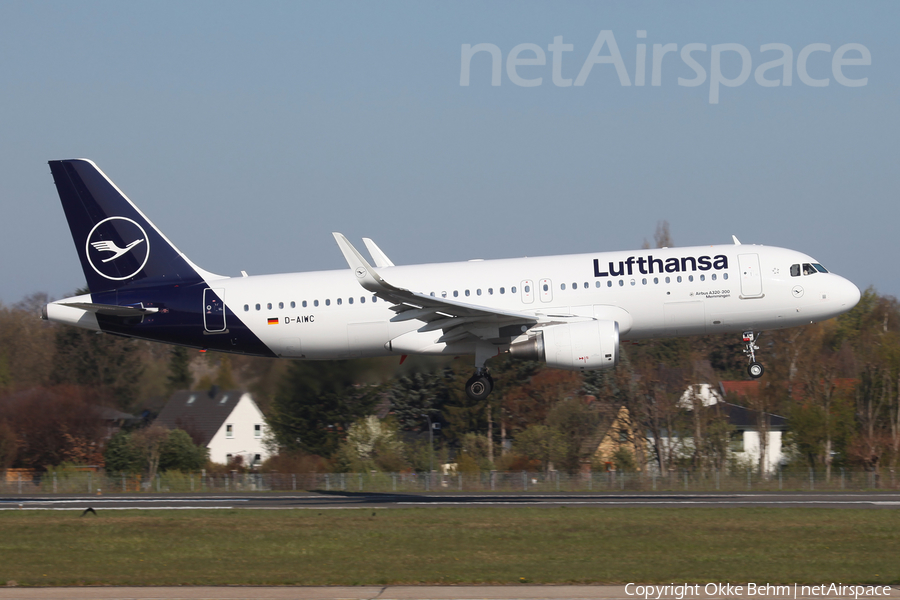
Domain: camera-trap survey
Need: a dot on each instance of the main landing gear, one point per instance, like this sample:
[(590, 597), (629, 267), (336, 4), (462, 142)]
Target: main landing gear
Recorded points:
[(755, 369), (480, 384)]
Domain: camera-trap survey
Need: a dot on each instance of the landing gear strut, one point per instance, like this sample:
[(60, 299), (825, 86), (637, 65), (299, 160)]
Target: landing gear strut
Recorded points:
[(755, 369)]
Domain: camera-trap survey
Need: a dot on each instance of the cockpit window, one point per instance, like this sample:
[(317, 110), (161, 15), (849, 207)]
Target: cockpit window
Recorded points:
[(808, 269), (820, 268), (795, 270)]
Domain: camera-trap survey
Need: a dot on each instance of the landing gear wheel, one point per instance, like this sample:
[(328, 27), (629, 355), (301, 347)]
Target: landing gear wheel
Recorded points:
[(756, 370), (479, 386)]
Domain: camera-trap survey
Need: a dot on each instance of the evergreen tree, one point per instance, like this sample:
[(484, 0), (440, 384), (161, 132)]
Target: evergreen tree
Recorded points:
[(180, 377), (316, 403)]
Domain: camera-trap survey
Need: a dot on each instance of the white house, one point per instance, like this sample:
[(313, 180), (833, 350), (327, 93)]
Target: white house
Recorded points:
[(745, 423), (228, 423)]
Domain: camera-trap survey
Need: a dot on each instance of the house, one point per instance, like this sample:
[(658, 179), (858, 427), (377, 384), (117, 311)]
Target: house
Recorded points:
[(228, 423), (619, 431)]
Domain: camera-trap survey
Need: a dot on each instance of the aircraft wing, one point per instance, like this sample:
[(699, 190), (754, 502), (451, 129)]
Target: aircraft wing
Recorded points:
[(458, 320)]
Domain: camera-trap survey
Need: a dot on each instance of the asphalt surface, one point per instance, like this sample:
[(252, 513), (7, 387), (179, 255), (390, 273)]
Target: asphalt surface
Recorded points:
[(405, 592), (348, 500)]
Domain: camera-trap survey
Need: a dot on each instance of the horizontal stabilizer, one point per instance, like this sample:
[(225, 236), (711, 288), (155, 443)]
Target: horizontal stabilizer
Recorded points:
[(111, 310)]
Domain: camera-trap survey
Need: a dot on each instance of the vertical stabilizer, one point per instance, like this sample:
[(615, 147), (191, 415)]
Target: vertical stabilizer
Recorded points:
[(116, 243)]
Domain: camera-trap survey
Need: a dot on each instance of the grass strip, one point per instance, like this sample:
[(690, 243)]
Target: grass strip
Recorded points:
[(449, 546)]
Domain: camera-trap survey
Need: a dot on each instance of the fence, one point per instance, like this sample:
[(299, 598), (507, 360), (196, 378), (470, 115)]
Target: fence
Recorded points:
[(493, 481)]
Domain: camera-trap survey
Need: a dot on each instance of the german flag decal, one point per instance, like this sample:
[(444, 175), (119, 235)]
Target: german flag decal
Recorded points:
[(273, 320)]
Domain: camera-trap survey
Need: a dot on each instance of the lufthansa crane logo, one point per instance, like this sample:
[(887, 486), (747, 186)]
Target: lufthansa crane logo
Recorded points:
[(117, 248), (360, 272)]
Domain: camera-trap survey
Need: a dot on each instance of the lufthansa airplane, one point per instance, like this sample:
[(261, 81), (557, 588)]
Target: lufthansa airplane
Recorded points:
[(568, 311)]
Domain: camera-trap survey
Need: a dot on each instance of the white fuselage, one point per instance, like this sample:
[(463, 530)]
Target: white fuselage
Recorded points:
[(328, 315)]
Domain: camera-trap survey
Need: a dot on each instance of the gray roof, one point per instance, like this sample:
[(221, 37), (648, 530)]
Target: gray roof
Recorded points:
[(201, 414)]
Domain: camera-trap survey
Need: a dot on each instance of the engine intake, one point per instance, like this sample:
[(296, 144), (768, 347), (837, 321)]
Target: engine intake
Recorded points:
[(581, 346)]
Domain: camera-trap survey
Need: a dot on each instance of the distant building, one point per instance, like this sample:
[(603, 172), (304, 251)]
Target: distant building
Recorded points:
[(228, 423)]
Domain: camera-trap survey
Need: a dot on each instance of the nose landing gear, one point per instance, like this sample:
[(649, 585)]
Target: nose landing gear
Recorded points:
[(755, 369)]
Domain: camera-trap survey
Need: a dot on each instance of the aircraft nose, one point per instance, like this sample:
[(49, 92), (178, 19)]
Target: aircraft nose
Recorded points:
[(849, 294)]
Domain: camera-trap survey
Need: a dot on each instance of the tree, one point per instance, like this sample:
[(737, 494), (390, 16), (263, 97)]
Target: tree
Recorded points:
[(371, 444), (149, 441), (180, 377), (53, 425), (122, 455), (316, 403), (179, 453)]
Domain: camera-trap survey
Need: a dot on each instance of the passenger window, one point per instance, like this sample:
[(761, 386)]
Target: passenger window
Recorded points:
[(467, 292), (596, 284), (632, 282), (608, 283), (246, 307), (315, 302), (443, 294), (644, 281), (478, 292), (690, 278), (257, 307), (374, 299), (527, 289), (703, 278), (546, 288), (585, 285), (327, 301), (304, 304), (668, 280), (621, 282), (512, 290), (656, 280), (293, 304), (362, 299), (678, 279), (281, 305), (562, 286), (339, 301), (490, 291), (432, 294), (724, 275), (574, 286), (713, 276), (455, 294), (795, 270), (350, 300), (269, 306)]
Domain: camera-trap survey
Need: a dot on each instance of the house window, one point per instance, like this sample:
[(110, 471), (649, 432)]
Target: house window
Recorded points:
[(229, 430), (257, 430), (257, 458), (228, 458), (623, 436)]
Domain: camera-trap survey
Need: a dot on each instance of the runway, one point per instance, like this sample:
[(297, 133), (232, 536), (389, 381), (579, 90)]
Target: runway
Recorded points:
[(348, 500), (409, 592)]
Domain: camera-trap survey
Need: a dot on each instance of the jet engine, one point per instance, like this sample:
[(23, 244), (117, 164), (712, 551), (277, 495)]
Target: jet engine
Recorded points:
[(580, 346)]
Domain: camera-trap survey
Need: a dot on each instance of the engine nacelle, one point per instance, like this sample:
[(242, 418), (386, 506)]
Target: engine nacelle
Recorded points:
[(581, 346)]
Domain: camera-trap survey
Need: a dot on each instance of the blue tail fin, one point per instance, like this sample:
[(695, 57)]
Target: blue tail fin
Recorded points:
[(116, 243)]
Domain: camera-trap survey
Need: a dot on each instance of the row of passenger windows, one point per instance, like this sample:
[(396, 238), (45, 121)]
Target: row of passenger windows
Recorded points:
[(304, 304), (490, 291)]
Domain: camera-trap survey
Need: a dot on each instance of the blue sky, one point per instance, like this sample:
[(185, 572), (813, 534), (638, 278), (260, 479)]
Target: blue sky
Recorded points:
[(249, 131)]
